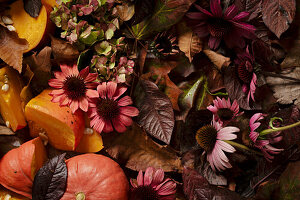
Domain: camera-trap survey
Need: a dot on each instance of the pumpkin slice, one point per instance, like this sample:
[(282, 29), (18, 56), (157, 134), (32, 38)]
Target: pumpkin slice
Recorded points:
[(64, 129), (34, 30), (18, 166), (93, 176), (91, 141), (9, 195), (10, 101), (51, 3)]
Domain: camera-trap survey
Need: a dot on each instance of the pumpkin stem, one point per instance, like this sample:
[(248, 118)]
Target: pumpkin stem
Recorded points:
[(80, 196)]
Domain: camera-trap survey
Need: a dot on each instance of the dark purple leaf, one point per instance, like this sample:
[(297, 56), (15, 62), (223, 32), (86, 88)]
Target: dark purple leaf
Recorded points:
[(196, 187), (51, 180), (32, 7), (142, 10), (234, 89), (156, 112), (211, 176), (278, 14), (166, 13), (251, 6)]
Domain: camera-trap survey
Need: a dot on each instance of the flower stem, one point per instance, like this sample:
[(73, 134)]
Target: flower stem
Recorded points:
[(268, 131), (241, 146)]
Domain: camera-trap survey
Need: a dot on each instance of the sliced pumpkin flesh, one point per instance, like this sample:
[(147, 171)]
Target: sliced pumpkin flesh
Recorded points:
[(10, 101), (39, 157)]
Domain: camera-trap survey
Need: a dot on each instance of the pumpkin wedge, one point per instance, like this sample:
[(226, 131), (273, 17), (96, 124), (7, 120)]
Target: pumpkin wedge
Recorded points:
[(35, 30), (63, 128), (10, 101), (19, 166)]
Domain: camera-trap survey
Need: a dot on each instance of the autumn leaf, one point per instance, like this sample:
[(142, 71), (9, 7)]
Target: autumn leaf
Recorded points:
[(6, 131), (188, 42), (12, 48), (40, 65), (142, 9), (63, 51), (125, 11), (166, 14), (156, 113), (137, 151), (217, 59), (286, 87), (278, 14)]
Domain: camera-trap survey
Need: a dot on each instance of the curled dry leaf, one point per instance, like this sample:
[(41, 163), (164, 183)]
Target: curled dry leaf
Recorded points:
[(286, 91), (63, 51), (137, 151), (188, 42), (51, 180), (6, 131), (125, 11), (12, 48), (40, 65), (156, 112), (216, 58), (32, 7), (278, 15)]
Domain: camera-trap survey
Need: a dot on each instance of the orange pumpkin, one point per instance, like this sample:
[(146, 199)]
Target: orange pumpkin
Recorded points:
[(92, 176), (19, 166)]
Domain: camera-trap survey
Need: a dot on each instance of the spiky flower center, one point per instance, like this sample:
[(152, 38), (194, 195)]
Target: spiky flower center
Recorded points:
[(144, 193), (245, 72), (74, 87), (107, 108), (218, 27), (207, 137), (225, 114)]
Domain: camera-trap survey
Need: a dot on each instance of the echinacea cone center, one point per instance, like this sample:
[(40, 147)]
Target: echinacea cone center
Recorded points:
[(144, 193), (218, 27), (245, 72), (225, 114), (206, 137), (108, 108), (74, 87)]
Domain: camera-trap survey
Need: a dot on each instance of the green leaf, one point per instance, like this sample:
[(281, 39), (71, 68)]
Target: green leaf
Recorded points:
[(166, 14)]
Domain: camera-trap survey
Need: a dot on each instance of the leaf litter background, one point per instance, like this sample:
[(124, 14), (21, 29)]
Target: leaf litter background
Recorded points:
[(172, 96)]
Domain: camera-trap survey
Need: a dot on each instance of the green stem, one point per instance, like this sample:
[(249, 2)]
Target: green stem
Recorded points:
[(241, 146), (268, 131)]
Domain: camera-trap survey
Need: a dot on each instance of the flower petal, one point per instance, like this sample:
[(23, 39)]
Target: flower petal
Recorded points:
[(215, 8), (91, 77), (241, 16), (55, 83), (119, 92), (111, 88), (214, 42), (84, 72), (102, 90), (127, 121), (98, 124), (66, 70), (148, 176), (231, 12), (108, 127), (56, 92), (118, 125), (92, 93), (203, 10), (84, 104), (168, 187), (140, 178), (158, 177), (225, 146), (129, 111), (74, 106), (125, 101)]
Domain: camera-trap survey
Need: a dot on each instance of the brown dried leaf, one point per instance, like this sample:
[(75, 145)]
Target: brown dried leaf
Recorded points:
[(12, 48), (278, 15), (125, 11), (6, 131), (137, 151), (63, 51), (40, 65), (286, 91), (218, 59), (188, 42)]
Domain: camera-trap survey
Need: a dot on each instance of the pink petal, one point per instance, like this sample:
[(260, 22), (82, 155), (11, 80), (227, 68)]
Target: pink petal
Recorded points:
[(91, 77), (75, 70), (92, 112), (211, 163), (255, 117), (111, 88), (148, 176), (84, 72), (168, 187), (55, 83), (203, 10), (129, 111), (91, 85), (196, 15), (74, 106), (243, 25), (230, 12), (56, 92), (108, 127), (59, 75), (92, 94), (212, 109), (119, 92), (66, 70), (215, 8), (56, 99), (127, 121), (214, 42), (201, 30), (254, 126), (228, 130), (140, 178), (65, 102), (225, 146), (118, 125), (158, 177), (241, 16), (102, 90), (125, 101), (84, 104)]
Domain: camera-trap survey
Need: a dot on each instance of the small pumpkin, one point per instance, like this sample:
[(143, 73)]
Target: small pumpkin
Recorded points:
[(19, 166), (93, 176)]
